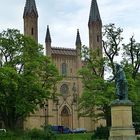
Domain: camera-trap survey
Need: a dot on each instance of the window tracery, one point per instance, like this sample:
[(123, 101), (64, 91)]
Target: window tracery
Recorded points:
[(64, 89)]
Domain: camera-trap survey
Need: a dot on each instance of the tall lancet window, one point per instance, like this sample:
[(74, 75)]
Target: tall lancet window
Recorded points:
[(32, 31), (64, 69), (98, 38)]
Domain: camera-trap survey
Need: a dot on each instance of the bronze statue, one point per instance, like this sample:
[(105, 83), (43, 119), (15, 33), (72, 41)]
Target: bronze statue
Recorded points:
[(121, 83)]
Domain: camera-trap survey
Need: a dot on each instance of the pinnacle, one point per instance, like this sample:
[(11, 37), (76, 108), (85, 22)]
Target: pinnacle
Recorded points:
[(48, 37), (78, 38)]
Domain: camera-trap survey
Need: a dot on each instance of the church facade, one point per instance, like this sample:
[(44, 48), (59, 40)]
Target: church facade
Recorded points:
[(63, 110)]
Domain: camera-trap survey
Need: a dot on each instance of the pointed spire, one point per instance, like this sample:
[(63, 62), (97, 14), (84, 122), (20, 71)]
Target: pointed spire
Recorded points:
[(94, 12), (78, 38), (29, 7), (48, 37)]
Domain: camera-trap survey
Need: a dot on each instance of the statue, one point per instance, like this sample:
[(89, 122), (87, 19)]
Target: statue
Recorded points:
[(121, 83)]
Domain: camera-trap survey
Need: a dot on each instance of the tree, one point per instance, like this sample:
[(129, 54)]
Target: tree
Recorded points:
[(131, 63), (111, 44), (98, 93), (26, 77), (131, 56)]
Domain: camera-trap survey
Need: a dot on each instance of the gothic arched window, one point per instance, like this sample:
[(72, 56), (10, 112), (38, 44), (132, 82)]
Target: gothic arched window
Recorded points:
[(64, 69), (64, 89)]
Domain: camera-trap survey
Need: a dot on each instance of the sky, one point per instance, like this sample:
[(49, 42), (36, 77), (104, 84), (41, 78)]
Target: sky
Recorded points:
[(64, 17)]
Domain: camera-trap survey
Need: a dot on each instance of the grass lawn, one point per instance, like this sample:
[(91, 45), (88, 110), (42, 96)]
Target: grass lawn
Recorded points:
[(86, 136)]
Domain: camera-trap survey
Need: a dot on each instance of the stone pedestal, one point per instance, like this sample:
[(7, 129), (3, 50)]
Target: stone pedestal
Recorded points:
[(121, 115)]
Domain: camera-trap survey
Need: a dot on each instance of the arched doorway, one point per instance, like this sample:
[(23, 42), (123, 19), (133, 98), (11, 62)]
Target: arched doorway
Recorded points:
[(66, 117)]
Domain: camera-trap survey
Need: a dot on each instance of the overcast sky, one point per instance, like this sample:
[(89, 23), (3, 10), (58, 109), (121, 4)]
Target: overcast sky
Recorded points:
[(65, 16)]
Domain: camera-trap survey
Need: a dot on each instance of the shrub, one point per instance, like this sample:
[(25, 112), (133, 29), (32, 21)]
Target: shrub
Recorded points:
[(50, 135), (38, 134), (101, 133), (7, 134), (137, 127)]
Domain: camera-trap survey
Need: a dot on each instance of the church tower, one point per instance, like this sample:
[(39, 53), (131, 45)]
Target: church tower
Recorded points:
[(95, 27), (30, 17)]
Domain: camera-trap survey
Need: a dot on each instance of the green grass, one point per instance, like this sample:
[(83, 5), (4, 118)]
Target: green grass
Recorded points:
[(14, 138), (86, 136)]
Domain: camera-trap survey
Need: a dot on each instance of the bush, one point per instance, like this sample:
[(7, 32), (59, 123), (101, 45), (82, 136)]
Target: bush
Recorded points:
[(38, 134), (7, 134), (137, 127), (50, 135), (13, 135), (101, 133)]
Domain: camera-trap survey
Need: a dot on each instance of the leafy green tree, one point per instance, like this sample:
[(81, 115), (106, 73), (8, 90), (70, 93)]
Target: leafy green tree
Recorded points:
[(131, 63), (131, 56), (26, 77), (111, 44), (98, 93)]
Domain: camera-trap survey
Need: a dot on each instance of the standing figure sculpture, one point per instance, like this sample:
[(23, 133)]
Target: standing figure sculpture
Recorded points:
[(121, 83)]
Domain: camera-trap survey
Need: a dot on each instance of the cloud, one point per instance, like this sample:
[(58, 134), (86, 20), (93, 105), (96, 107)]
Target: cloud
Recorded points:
[(65, 16)]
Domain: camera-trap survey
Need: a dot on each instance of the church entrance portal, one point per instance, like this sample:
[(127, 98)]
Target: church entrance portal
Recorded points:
[(66, 117)]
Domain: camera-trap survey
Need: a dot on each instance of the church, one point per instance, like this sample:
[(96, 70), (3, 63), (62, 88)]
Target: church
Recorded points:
[(63, 110)]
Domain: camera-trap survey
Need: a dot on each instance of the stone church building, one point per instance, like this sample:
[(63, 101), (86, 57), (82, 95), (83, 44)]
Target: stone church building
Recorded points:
[(64, 110)]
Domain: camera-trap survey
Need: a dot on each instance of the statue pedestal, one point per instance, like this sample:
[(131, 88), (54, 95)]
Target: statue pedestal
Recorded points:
[(121, 115)]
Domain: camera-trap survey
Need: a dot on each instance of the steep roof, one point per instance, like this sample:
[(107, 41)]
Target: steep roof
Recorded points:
[(94, 12), (63, 51), (29, 7), (48, 36)]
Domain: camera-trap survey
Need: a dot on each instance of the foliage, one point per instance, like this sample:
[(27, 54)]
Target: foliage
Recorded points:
[(131, 56), (131, 63), (98, 93), (26, 136), (10, 135), (36, 134), (26, 77), (86, 136), (101, 133), (111, 44), (48, 132), (137, 127)]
